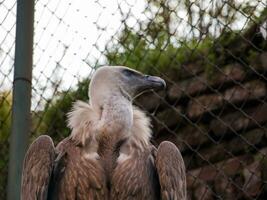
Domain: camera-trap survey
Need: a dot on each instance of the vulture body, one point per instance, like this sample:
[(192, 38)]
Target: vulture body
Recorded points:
[(108, 154)]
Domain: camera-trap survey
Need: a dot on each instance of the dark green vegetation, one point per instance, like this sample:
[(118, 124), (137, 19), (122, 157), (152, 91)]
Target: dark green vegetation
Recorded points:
[(5, 121)]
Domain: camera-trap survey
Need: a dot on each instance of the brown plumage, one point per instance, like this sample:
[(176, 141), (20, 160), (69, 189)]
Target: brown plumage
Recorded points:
[(108, 154), (61, 173)]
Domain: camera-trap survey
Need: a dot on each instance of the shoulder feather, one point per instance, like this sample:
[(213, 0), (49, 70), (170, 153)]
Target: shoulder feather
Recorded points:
[(81, 119), (141, 130)]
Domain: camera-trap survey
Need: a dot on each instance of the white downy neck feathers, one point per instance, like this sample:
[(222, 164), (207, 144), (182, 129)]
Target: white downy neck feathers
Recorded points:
[(83, 122)]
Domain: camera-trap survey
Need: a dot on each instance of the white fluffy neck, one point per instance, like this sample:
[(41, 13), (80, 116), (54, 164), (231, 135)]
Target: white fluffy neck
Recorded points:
[(117, 117)]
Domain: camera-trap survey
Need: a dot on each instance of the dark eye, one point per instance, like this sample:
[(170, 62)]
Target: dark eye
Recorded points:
[(129, 73)]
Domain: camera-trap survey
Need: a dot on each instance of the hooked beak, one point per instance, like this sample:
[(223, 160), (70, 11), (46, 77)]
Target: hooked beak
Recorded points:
[(146, 83), (154, 82), (150, 83)]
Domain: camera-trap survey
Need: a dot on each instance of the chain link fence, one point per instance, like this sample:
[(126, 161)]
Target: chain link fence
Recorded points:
[(212, 54), (7, 49)]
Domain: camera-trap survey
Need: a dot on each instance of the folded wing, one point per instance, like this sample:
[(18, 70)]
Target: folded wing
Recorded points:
[(171, 172), (37, 169)]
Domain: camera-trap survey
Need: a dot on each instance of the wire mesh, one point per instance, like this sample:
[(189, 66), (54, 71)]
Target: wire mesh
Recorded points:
[(212, 54), (7, 48)]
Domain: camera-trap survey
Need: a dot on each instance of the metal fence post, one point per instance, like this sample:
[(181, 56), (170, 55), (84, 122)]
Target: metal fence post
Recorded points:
[(21, 95)]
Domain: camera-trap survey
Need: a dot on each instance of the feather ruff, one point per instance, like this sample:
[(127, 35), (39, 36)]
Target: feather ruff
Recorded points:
[(82, 120)]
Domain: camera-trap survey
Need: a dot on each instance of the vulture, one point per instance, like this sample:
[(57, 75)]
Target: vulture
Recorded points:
[(108, 154)]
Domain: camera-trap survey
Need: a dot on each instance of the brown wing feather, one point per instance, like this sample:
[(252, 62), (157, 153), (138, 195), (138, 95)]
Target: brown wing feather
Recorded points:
[(37, 169), (76, 177), (135, 178), (171, 171)]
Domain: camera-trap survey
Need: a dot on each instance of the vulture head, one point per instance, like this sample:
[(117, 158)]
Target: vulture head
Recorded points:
[(121, 82), (110, 110), (111, 91)]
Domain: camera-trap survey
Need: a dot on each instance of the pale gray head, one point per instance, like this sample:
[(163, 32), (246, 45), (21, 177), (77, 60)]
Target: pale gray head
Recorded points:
[(121, 81)]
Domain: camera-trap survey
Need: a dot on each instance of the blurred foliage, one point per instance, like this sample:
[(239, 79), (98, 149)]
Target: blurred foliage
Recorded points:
[(5, 129), (52, 119), (136, 52), (151, 50), (5, 114)]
